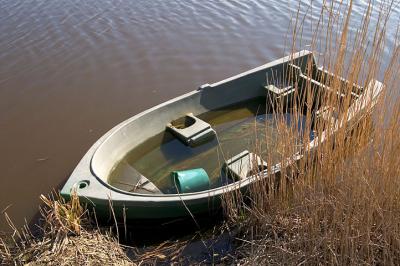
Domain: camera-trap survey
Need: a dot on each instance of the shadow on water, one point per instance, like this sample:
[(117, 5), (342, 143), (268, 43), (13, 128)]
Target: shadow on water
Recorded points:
[(205, 239)]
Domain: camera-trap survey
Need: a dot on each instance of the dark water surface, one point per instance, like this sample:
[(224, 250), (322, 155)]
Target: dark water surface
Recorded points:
[(71, 70)]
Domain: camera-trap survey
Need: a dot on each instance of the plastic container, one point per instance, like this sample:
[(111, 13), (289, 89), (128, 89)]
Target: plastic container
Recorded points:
[(192, 180)]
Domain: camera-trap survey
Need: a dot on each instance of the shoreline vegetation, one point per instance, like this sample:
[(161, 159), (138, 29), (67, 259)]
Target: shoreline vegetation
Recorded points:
[(69, 234), (339, 205), (67, 237)]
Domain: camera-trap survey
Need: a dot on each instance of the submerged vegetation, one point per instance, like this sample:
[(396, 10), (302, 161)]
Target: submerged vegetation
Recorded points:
[(340, 204)]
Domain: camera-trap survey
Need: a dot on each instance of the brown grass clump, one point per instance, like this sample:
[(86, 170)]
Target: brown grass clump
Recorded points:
[(340, 204), (67, 238), (69, 235)]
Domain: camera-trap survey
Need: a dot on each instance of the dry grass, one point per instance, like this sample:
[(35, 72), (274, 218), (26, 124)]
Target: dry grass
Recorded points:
[(69, 235), (341, 203), (67, 238)]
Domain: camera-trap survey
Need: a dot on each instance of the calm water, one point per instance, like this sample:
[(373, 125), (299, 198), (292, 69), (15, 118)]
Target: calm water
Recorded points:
[(71, 70)]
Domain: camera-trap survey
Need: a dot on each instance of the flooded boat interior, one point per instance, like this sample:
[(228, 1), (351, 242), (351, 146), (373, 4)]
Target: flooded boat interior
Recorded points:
[(220, 140), (236, 129)]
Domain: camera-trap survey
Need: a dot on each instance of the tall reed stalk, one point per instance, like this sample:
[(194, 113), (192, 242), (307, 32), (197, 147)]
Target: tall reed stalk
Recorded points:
[(340, 203)]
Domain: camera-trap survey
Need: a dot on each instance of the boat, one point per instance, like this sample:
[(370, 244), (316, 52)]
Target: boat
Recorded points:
[(165, 162)]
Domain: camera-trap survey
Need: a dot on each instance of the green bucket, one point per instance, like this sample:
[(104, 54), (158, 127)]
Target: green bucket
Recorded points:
[(192, 180)]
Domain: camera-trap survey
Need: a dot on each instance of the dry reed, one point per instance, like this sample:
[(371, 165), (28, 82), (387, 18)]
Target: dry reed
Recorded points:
[(339, 204)]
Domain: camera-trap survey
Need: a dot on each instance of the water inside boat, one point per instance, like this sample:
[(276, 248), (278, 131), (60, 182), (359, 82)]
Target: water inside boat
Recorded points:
[(244, 126)]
